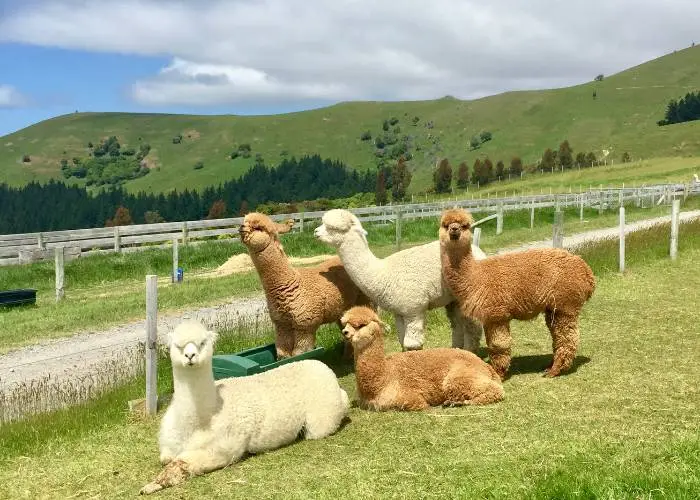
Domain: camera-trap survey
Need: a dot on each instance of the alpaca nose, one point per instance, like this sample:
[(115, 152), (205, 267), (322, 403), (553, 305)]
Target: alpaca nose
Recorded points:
[(346, 332), (190, 355), (454, 233)]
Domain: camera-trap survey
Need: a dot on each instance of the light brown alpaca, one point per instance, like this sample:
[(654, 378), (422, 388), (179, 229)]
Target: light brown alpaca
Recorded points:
[(518, 285), (414, 380), (299, 299), (285, 226)]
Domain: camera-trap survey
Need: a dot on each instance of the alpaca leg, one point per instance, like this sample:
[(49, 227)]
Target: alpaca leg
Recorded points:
[(466, 331), (499, 342), (455, 317), (565, 340), (305, 341), (284, 341), (400, 328), (413, 340), (464, 388), (320, 424)]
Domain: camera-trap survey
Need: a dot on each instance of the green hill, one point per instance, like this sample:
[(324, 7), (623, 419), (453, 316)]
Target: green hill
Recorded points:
[(622, 118)]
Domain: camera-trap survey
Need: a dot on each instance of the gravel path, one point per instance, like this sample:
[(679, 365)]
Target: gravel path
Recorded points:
[(76, 356)]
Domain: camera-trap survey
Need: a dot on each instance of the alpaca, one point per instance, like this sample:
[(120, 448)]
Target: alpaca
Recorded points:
[(285, 226), (299, 299), (519, 285), (210, 425), (414, 380), (406, 283)]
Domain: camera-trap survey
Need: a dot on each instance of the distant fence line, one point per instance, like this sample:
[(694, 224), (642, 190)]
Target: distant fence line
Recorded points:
[(30, 247)]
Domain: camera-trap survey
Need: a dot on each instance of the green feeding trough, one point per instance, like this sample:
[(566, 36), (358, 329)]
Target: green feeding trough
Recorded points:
[(18, 297), (255, 360)]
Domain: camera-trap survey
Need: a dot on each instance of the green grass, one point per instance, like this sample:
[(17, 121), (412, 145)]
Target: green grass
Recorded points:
[(623, 424), (107, 290), (623, 118)]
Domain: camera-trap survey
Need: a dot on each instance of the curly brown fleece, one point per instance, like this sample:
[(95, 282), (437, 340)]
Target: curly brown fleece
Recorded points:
[(518, 285), (414, 380), (299, 299)]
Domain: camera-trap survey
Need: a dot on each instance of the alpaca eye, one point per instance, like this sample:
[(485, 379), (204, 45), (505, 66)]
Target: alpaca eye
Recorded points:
[(465, 226), (201, 344)]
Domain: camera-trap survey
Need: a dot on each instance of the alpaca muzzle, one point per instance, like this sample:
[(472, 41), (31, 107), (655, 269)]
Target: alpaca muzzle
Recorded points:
[(454, 233)]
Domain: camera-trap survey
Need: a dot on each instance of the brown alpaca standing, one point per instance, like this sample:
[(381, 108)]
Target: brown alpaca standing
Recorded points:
[(414, 380), (299, 299), (518, 285)]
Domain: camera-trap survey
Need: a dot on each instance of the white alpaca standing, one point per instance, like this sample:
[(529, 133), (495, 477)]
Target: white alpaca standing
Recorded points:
[(210, 425), (406, 283)]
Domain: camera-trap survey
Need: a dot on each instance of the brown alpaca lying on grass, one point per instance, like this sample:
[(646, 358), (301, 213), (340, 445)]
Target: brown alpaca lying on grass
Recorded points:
[(299, 299), (414, 380), (518, 285)]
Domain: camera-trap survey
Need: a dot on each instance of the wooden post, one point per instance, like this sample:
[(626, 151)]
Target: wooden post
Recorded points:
[(675, 210), (600, 202), (499, 219), (580, 214), (399, 216), (184, 233), (40, 241), (558, 230), (622, 239), (476, 239), (301, 223), (532, 215), (151, 339), (60, 273), (176, 258), (117, 240)]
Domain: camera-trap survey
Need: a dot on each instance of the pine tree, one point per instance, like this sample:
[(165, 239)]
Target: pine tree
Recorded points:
[(442, 177), (565, 155), (400, 180), (580, 161), (476, 172), (487, 166), (380, 196), (500, 169), (463, 175), (547, 162), (244, 208), (516, 166), (217, 210)]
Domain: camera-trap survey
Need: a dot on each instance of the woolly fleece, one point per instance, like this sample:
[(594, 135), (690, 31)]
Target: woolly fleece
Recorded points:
[(299, 299), (518, 285), (210, 425), (406, 283), (414, 380)]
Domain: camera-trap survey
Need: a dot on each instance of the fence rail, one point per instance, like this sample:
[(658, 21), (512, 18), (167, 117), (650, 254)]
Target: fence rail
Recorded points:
[(29, 247)]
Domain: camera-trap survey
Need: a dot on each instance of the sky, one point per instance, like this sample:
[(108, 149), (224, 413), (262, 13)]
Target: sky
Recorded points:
[(275, 56)]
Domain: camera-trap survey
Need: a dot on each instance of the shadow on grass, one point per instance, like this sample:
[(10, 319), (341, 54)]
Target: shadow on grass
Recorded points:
[(538, 363)]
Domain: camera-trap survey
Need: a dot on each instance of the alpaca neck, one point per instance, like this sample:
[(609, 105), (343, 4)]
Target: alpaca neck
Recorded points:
[(195, 387), (273, 268), (457, 264), (371, 370), (365, 269)]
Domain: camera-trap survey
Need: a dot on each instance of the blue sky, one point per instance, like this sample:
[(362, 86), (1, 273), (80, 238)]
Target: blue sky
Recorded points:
[(270, 56)]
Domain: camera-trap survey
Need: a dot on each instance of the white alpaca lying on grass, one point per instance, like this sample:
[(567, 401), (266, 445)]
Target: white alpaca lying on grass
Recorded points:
[(210, 425)]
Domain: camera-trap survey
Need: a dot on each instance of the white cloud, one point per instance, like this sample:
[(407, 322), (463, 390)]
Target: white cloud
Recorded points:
[(10, 97), (243, 51)]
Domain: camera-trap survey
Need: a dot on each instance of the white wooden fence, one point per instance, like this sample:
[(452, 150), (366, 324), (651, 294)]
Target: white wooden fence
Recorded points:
[(29, 247)]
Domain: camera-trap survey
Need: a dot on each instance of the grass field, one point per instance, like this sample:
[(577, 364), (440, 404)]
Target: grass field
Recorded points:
[(623, 424), (622, 118), (109, 289)]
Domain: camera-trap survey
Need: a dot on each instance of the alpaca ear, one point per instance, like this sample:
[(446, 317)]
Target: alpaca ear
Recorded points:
[(213, 336)]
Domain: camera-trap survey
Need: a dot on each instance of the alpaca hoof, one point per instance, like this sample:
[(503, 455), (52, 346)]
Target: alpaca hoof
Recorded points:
[(412, 345), (549, 373), (150, 488)]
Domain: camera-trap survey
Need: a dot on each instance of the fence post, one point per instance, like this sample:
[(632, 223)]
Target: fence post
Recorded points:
[(117, 240), (499, 219), (176, 258), (40, 241), (558, 230), (532, 215), (301, 223), (622, 239), (674, 228), (184, 233), (399, 216), (60, 272), (600, 202), (476, 239), (580, 215), (151, 338)]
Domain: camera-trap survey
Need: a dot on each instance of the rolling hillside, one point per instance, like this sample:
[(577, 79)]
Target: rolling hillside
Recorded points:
[(622, 118)]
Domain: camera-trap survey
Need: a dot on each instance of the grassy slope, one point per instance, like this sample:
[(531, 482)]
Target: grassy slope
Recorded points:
[(623, 425), (623, 118)]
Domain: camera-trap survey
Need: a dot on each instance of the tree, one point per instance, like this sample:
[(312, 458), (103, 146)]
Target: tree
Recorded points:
[(591, 159), (152, 217), (547, 162), (385, 126), (485, 136), (463, 175), (580, 161), (476, 172), (474, 142), (26, 159), (217, 210), (380, 196), (626, 157), (516, 166), (122, 217), (500, 169), (366, 136), (487, 165), (442, 177), (565, 155), (599, 78), (400, 180), (244, 208)]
